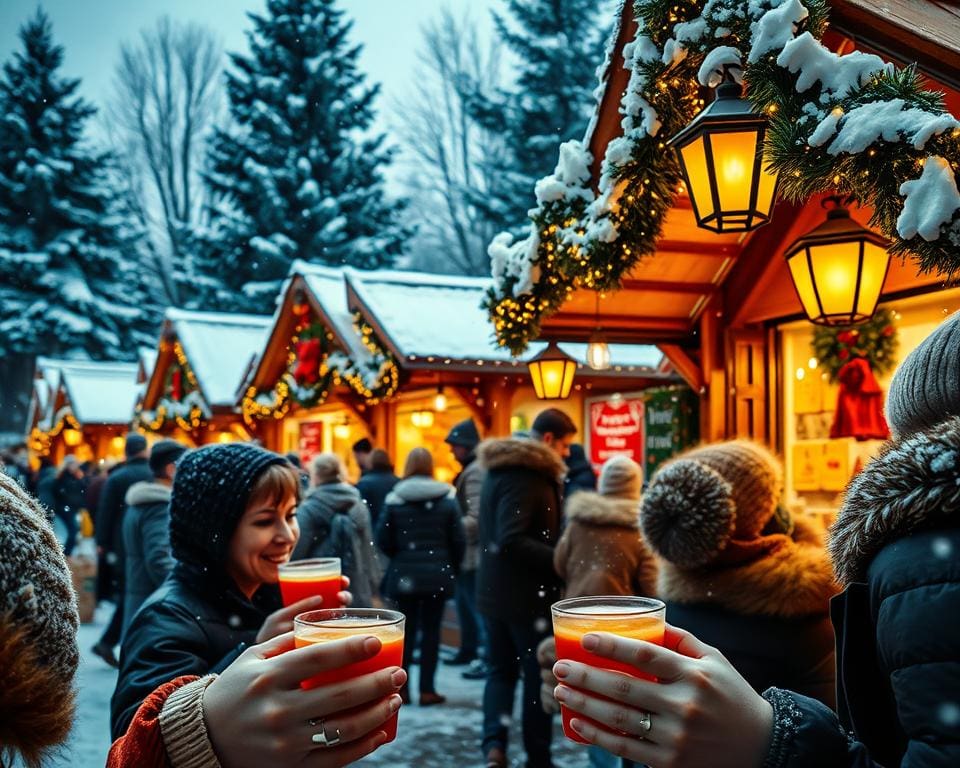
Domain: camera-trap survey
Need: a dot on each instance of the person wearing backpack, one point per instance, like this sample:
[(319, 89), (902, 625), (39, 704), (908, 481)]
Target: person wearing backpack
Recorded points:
[(335, 522), (421, 531)]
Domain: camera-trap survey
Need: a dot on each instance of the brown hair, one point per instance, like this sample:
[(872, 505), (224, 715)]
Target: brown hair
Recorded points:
[(380, 460), (327, 468), (419, 462), (275, 484)]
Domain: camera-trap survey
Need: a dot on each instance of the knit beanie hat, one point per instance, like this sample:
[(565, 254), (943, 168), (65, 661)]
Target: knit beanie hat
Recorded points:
[(621, 477), (164, 453), (698, 503), (210, 493), (925, 390), (38, 629), (465, 433)]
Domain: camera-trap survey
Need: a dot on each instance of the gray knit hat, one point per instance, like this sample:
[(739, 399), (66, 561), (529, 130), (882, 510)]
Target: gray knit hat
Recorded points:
[(621, 477), (38, 629), (925, 390)]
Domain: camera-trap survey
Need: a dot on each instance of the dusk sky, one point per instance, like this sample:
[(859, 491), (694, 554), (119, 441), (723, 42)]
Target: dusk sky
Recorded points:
[(93, 30)]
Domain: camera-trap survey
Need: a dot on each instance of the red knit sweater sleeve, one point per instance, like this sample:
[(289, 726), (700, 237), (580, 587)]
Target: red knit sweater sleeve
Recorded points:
[(142, 745)]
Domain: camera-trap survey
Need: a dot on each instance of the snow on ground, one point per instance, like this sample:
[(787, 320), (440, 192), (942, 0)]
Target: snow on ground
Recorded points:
[(432, 737)]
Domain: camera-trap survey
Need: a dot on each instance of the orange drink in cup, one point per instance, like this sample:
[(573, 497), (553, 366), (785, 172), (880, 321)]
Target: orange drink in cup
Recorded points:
[(639, 618), (306, 578), (325, 625)]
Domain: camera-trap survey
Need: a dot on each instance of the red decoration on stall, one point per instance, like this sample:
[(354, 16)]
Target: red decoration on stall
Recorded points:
[(307, 370), (860, 404), (176, 385)]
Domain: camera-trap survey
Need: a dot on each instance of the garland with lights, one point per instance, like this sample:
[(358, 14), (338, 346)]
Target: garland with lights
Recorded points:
[(848, 123), (875, 341), (40, 441), (180, 403), (312, 369)]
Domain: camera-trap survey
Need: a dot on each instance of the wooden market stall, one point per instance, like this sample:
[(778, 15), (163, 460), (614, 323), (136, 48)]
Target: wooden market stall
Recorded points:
[(722, 306), (191, 389), (81, 408)]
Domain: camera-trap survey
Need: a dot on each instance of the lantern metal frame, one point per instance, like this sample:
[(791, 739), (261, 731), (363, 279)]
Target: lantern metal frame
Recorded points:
[(552, 354), (838, 228), (729, 113)]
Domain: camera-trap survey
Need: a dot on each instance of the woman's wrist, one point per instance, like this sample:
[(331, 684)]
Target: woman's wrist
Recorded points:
[(184, 729)]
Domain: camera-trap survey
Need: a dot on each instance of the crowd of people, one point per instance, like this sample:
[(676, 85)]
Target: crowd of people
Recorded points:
[(786, 646)]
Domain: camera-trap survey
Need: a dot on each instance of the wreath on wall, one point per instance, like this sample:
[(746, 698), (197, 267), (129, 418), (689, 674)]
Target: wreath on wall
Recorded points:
[(875, 341), (850, 123)]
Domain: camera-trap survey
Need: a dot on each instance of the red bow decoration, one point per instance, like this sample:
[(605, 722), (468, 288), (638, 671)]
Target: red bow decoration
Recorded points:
[(307, 370), (176, 385), (860, 404)]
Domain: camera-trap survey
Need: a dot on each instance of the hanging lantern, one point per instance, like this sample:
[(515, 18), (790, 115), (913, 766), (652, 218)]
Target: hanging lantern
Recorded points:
[(422, 419), (552, 373), (598, 351), (838, 268), (72, 437), (721, 157), (440, 401), (341, 431)]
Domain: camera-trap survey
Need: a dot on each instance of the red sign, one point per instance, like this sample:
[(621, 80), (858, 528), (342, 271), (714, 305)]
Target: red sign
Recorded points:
[(615, 429), (311, 441)]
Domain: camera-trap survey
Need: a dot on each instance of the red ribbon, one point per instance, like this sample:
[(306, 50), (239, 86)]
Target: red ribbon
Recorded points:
[(859, 411)]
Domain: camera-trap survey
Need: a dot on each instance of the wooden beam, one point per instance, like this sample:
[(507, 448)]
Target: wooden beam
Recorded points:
[(699, 248), (667, 286), (477, 406), (684, 364)]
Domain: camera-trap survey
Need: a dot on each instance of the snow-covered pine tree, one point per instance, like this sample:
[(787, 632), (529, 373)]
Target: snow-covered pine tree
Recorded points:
[(557, 45), (297, 175), (67, 286)]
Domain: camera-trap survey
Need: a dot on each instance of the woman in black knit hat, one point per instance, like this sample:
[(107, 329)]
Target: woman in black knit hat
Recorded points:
[(232, 523)]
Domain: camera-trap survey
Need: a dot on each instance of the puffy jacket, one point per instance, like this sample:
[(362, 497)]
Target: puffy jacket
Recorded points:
[(895, 548), (519, 528), (196, 623), (469, 485), (374, 487), (108, 527), (422, 533), (146, 542)]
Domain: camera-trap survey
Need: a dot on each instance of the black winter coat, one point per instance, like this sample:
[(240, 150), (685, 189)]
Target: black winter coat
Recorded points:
[(895, 545), (197, 623), (519, 528), (108, 527), (580, 474), (146, 543), (421, 531), (374, 487)]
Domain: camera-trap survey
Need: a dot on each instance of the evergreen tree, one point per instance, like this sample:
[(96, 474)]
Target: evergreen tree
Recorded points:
[(67, 286), (557, 45), (297, 175)]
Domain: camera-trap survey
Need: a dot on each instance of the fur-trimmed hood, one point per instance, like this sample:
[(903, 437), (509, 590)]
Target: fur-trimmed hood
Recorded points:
[(416, 489), (590, 507), (913, 484), (148, 492), (521, 452), (792, 580)]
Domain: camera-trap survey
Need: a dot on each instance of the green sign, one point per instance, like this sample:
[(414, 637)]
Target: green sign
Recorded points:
[(672, 424)]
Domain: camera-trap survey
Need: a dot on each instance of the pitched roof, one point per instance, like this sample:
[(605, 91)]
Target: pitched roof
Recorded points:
[(97, 393)]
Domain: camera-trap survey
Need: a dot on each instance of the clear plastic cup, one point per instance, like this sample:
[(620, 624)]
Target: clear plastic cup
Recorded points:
[(306, 578)]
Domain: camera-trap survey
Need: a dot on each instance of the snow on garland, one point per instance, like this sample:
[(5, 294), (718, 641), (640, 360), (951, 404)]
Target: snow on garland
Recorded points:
[(850, 123)]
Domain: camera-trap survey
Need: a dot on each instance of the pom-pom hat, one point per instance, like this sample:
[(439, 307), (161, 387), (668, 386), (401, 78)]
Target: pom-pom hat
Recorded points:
[(621, 477), (210, 493), (699, 503)]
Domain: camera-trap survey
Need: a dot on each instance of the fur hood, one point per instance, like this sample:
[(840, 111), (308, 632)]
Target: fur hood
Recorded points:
[(592, 508), (913, 484), (416, 489), (521, 452), (148, 492), (793, 580)]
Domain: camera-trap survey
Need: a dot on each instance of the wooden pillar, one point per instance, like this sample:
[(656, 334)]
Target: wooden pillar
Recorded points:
[(499, 407), (747, 374), (713, 402)]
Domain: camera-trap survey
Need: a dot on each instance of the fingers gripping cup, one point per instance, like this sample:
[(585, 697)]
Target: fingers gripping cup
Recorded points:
[(324, 626), (639, 618), (306, 578)]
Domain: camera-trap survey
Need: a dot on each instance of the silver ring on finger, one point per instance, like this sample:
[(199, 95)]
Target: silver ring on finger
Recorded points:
[(321, 737), (646, 723)]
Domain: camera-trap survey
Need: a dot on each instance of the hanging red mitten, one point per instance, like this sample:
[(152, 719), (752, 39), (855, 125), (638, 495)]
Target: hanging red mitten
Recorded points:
[(176, 385), (307, 370), (860, 404)]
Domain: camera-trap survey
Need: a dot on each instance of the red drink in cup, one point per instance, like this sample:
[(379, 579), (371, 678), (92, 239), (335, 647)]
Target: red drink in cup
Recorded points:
[(325, 625), (639, 618), (306, 578)]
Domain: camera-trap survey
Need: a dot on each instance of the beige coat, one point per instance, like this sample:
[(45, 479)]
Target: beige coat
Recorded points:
[(602, 551)]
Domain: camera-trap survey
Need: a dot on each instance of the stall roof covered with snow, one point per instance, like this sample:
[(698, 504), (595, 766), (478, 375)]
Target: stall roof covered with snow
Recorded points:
[(94, 393)]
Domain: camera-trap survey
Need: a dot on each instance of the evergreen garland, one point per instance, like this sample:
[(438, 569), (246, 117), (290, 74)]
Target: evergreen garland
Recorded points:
[(582, 241), (875, 341)]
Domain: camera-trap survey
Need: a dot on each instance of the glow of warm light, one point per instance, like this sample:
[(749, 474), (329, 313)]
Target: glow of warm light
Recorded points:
[(422, 419), (801, 374), (812, 363), (72, 437), (551, 373), (440, 402), (341, 431), (598, 354), (226, 437), (117, 444)]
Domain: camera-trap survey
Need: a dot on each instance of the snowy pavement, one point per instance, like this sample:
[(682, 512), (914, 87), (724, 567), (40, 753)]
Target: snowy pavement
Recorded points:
[(435, 737)]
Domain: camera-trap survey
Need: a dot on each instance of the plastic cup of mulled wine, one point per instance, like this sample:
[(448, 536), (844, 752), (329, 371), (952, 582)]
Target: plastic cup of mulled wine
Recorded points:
[(325, 625), (306, 578), (639, 618)]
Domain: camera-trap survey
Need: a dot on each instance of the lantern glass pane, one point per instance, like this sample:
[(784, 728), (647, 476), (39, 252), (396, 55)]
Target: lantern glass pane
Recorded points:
[(835, 267), (734, 158), (553, 377), (765, 190), (536, 376), (698, 178), (875, 259), (569, 373), (803, 282)]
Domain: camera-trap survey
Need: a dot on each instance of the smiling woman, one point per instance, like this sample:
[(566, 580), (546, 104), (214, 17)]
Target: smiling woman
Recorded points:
[(232, 524)]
